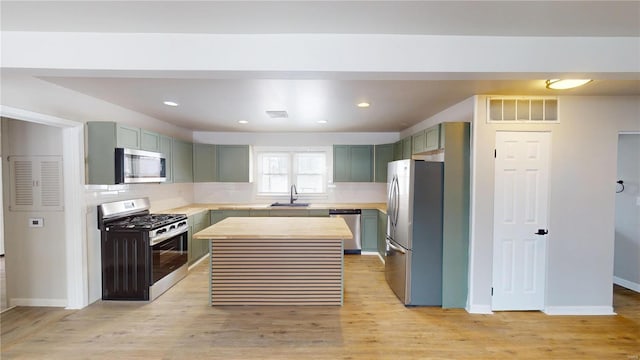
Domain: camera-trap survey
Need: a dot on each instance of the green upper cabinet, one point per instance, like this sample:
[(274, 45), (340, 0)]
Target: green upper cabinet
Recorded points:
[(432, 138), (426, 140), (406, 148), (128, 137), (353, 163), (104, 136), (418, 141), (204, 161), (443, 128), (102, 139), (166, 148), (397, 150), (149, 141), (233, 163), (383, 155), (182, 161)]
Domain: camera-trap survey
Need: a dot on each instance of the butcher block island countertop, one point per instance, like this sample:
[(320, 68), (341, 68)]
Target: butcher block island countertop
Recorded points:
[(276, 261)]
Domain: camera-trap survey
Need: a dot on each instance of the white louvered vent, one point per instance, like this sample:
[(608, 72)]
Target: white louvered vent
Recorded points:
[(50, 182), (36, 183), (23, 180), (522, 109)]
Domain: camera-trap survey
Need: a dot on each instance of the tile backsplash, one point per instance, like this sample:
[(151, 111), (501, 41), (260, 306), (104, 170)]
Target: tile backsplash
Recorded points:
[(245, 193), (161, 196)]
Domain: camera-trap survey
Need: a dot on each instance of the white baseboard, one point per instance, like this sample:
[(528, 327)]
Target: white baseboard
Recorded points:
[(579, 310), (479, 309), (38, 302), (368, 253), (626, 283), (197, 262)]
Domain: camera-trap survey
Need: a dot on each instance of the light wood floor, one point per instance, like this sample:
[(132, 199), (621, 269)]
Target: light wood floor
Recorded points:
[(372, 324)]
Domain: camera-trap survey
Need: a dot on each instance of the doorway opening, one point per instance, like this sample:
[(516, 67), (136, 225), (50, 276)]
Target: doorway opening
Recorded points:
[(75, 267), (627, 218)]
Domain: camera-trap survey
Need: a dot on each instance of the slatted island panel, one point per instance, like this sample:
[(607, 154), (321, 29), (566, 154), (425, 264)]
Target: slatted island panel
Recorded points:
[(276, 261)]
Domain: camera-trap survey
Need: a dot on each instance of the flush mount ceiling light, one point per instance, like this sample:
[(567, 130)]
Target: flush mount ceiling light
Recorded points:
[(277, 114), (170, 103), (563, 84), (243, 122), (322, 121), (364, 104)]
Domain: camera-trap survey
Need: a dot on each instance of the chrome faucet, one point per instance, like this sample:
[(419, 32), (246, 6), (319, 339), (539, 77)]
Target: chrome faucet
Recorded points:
[(293, 190)]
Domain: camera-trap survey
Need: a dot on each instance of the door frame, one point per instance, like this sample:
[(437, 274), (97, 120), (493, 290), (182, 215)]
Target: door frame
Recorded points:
[(75, 225), (548, 212)]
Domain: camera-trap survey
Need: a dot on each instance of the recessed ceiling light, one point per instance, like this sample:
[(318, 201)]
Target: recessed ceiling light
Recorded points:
[(563, 84), (364, 104), (322, 121), (170, 103), (243, 122)]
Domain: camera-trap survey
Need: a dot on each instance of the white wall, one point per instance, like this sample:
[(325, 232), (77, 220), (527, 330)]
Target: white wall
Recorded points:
[(35, 257), (627, 241), (581, 207)]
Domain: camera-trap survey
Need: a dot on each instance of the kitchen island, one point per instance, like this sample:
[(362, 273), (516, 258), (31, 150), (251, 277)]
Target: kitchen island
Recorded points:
[(276, 261)]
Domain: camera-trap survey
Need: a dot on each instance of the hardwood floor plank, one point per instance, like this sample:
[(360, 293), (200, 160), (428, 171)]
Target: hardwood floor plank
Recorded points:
[(372, 324)]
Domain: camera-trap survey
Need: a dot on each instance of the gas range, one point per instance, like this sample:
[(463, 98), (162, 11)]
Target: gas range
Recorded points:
[(142, 254), (158, 226)]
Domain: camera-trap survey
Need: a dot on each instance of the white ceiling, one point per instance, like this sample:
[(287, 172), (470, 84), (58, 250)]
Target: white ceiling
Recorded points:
[(217, 103)]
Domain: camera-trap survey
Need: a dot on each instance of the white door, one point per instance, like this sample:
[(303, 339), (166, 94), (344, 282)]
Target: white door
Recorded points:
[(520, 220)]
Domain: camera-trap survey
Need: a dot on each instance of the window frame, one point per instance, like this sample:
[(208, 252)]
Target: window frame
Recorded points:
[(291, 152)]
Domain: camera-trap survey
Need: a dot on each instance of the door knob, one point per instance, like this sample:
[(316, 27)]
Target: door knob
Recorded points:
[(542, 232)]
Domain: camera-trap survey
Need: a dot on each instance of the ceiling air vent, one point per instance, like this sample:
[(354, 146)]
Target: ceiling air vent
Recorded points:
[(277, 114), (522, 109)]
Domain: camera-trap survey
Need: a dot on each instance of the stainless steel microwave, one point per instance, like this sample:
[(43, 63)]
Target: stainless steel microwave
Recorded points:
[(138, 166)]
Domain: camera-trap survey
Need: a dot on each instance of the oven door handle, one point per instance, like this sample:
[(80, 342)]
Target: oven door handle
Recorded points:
[(168, 235)]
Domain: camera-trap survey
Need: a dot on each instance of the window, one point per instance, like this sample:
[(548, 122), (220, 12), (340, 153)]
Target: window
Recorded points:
[(278, 170)]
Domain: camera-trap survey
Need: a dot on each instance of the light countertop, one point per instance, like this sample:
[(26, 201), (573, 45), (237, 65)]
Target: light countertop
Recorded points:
[(277, 228), (193, 209)]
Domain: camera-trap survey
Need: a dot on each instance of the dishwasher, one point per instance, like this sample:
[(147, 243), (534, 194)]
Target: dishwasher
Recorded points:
[(352, 218)]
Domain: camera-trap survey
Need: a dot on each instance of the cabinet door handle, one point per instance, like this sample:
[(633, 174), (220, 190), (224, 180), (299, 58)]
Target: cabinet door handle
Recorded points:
[(542, 232)]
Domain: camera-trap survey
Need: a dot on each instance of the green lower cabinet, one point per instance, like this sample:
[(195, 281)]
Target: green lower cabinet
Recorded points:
[(288, 212), (369, 230), (197, 248), (259, 213), (190, 242), (382, 233), (219, 215), (319, 213)]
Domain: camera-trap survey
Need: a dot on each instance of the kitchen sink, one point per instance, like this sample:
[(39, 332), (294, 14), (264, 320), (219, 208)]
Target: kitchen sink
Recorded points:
[(295, 204)]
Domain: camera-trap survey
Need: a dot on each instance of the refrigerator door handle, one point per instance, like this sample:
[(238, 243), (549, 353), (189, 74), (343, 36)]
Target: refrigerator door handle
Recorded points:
[(395, 248), (394, 201)]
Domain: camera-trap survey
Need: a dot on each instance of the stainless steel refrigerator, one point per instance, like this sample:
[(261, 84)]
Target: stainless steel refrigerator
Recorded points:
[(413, 266)]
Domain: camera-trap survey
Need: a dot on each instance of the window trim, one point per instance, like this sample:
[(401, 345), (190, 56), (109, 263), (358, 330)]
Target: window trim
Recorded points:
[(292, 150)]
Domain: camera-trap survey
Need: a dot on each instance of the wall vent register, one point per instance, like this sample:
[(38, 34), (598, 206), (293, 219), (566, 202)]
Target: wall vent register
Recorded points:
[(36, 183)]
